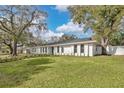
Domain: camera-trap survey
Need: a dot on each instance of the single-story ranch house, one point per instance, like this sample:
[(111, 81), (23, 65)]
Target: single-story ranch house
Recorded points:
[(82, 47)]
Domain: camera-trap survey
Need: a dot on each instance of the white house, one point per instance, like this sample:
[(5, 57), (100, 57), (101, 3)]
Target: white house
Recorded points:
[(84, 47)]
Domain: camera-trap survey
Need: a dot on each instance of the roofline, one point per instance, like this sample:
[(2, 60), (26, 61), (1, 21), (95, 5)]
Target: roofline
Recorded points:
[(72, 43)]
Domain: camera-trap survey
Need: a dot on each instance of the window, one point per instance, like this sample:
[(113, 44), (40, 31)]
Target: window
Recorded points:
[(97, 47), (58, 49), (75, 48), (41, 50), (46, 49), (62, 49), (82, 48), (52, 50), (33, 49)]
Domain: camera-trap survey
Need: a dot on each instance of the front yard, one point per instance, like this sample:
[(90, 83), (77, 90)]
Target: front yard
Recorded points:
[(64, 71)]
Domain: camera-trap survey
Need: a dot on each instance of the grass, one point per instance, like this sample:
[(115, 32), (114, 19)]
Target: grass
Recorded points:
[(64, 71)]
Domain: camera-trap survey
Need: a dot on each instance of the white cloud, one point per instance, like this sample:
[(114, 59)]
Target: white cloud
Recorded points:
[(46, 34), (62, 8), (49, 34), (70, 27)]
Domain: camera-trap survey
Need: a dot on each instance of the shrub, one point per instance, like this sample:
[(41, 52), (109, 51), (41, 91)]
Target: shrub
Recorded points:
[(1, 60), (22, 57), (5, 60)]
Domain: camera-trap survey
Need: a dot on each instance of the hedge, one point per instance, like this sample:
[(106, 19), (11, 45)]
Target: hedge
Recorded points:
[(22, 57)]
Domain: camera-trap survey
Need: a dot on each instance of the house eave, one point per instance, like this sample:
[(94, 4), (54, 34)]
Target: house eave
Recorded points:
[(73, 43)]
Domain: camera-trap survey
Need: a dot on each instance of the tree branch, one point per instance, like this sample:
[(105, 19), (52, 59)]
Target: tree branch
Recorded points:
[(26, 25), (6, 29), (4, 41)]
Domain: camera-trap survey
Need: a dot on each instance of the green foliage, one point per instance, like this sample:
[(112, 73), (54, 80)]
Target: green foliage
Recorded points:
[(66, 37), (16, 22), (116, 38), (104, 20)]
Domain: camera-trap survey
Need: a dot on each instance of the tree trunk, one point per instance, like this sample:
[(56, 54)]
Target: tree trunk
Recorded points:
[(14, 53), (104, 52), (9, 45), (11, 49), (104, 42)]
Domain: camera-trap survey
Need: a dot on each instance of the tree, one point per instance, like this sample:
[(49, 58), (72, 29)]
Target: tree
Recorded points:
[(33, 40), (15, 21), (68, 37), (6, 40), (103, 20), (116, 38)]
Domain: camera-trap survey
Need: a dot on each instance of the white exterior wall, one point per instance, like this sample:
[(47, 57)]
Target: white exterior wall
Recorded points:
[(115, 50), (72, 49), (49, 50), (68, 50), (37, 50), (78, 51), (86, 51), (89, 50), (55, 50)]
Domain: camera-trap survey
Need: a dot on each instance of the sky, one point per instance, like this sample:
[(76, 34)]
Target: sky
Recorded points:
[(59, 22)]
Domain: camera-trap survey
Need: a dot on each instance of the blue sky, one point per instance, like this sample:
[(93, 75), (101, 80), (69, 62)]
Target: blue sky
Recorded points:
[(59, 21), (55, 17)]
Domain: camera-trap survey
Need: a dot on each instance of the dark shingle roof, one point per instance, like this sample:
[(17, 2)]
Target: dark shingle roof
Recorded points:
[(70, 41)]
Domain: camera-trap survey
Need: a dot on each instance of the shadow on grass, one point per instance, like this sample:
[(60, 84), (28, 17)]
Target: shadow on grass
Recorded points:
[(13, 76)]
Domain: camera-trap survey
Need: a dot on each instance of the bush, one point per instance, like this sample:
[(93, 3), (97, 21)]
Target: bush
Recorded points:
[(22, 57), (6, 59), (1, 60)]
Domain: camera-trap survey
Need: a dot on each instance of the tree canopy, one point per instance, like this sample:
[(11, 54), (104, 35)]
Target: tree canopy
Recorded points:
[(16, 21), (103, 20)]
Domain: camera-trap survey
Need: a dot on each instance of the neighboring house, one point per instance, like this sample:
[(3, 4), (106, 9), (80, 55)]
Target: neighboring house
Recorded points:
[(82, 47)]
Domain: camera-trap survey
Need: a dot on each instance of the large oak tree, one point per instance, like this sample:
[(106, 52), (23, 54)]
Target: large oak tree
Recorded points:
[(15, 21), (103, 20)]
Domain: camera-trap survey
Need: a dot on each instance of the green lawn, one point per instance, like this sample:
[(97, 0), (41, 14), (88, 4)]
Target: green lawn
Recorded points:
[(64, 71)]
